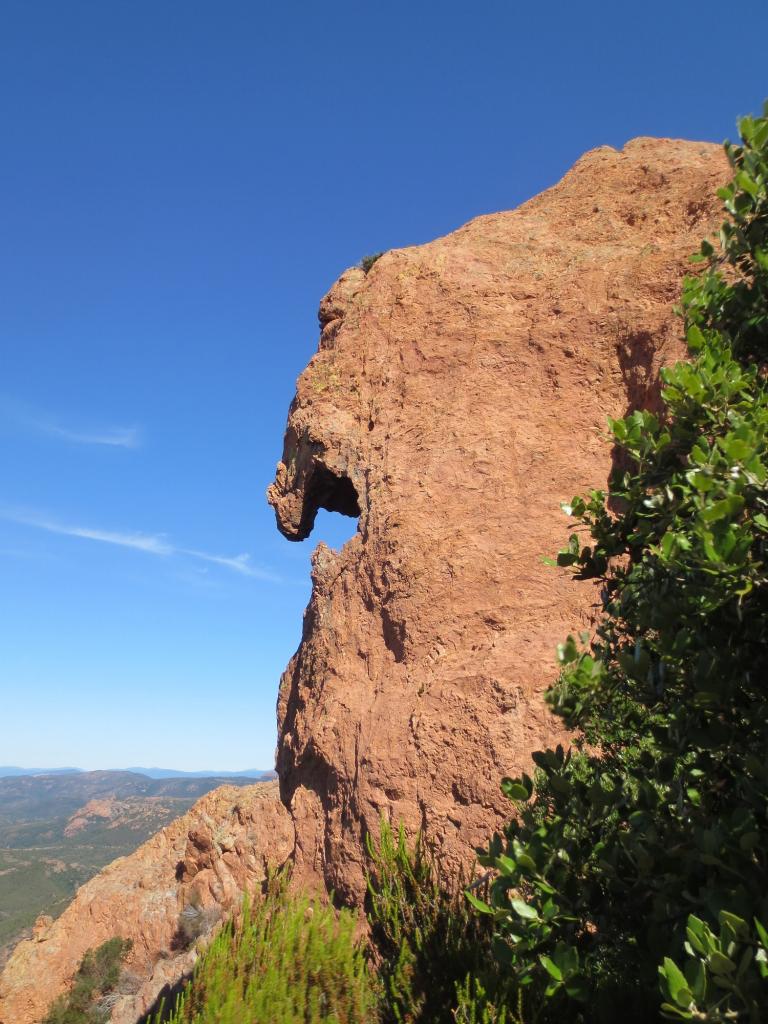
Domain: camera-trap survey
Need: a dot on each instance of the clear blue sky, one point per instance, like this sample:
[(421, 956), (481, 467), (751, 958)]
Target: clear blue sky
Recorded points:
[(180, 182)]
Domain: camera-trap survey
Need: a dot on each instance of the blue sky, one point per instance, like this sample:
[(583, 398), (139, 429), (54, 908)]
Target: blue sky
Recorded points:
[(180, 182)]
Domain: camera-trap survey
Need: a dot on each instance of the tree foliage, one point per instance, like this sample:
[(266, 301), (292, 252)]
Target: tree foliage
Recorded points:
[(98, 975), (640, 854)]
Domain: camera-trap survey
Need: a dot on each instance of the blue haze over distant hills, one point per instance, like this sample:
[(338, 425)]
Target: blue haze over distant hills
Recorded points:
[(7, 771)]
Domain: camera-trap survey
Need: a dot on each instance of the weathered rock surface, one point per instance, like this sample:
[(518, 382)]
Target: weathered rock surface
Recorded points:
[(220, 848), (459, 394)]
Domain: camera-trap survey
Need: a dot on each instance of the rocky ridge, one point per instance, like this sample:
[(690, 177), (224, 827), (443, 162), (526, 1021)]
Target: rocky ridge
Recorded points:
[(206, 859)]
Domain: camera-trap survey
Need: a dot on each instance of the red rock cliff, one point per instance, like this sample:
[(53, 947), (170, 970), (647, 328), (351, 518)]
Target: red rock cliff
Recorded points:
[(459, 393)]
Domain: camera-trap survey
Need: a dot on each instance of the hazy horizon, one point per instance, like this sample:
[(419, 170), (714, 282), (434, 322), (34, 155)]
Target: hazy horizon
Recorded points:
[(65, 769)]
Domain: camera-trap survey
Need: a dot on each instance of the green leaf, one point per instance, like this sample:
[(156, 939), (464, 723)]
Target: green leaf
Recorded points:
[(719, 963), (725, 508), (696, 975), (524, 910), (696, 340), (478, 904), (676, 983), (567, 959), (736, 924), (551, 968), (702, 481), (506, 865), (696, 931), (514, 789)]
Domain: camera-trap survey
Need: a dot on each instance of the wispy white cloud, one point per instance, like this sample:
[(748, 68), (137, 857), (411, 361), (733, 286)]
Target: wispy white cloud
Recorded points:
[(152, 544), (149, 543), (38, 422), (239, 563), (119, 437)]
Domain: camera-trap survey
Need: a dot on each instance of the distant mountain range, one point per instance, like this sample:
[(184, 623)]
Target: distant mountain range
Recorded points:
[(10, 771)]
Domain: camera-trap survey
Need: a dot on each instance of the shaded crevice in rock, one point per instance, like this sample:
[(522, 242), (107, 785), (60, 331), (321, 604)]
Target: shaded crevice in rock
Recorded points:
[(328, 490), (394, 634), (637, 351)]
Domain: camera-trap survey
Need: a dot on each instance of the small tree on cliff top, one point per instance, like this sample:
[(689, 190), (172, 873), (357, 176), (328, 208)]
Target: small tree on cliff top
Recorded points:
[(653, 851)]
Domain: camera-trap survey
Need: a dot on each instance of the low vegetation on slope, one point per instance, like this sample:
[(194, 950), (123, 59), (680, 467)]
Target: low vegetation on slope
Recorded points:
[(291, 960), (288, 959)]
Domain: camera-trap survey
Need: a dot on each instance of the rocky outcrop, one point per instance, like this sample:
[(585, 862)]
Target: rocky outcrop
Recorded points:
[(204, 860), (92, 811), (459, 394)]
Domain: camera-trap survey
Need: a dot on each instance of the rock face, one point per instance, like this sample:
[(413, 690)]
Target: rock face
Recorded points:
[(459, 394), (205, 859)]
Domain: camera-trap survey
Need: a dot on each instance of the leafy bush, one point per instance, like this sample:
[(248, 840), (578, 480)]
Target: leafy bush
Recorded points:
[(719, 982), (98, 975), (430, 950), (290, 960), (367, 261), (652, 832)]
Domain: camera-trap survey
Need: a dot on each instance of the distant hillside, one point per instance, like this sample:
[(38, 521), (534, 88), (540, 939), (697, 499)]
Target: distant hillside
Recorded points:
[(57, 830), (173, 773), (7, 771)]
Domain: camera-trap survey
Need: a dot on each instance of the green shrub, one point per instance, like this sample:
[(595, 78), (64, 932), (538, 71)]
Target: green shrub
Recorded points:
[(98, 975), (289, 959), (430, 950), (724, 979), (367, 261), (656, 820), (475, 1005)]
